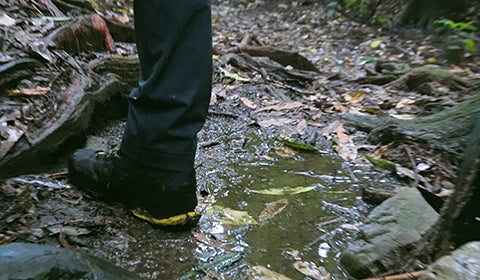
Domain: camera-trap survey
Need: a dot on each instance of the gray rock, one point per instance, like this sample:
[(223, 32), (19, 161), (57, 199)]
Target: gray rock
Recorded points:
[(20, 261), (388, 231), (462, 264)]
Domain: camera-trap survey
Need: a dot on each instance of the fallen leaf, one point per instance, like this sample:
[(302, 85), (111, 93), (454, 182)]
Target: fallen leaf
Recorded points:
[(404, 116), (423, 166), (273, 209), (302, 127), (207, 240), (311, 270), (354, 97), (342, 137), (275, 122), (234, 217), (259, 272), (285, 152), (347, 151), (380, 151), (220, 91), (28, 91), (376, 43), (291, 254), (298, 146), (5, 20), (234, 76), (404, 102), (247, 102), (339, 107), (284, 191), (62, 238), (381, 164)]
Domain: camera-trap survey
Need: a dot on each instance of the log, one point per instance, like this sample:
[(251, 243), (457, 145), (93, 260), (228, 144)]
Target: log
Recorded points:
[(446, 130), (283, 57)]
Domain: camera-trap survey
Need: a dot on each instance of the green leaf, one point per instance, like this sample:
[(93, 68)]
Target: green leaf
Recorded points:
[(233, 217), (298, 146), (382, 164), (457, 26), (470, 45), (284, 191), (234, 76), (381, 19)]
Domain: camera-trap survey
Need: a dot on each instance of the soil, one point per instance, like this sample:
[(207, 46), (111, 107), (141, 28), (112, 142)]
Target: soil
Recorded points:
[(360, 67)]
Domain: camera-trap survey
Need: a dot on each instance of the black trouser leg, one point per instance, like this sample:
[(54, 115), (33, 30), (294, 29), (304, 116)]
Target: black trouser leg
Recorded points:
[(170, 105)]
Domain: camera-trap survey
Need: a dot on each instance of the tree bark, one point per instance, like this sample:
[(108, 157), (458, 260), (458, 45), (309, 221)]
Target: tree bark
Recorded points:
[(424, 12), (458, 222), (446, 130)]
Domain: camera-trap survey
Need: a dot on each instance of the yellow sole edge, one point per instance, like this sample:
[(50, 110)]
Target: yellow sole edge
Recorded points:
[(171, 221)]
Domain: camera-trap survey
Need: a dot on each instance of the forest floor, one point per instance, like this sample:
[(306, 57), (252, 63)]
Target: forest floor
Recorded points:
[(270, 204)]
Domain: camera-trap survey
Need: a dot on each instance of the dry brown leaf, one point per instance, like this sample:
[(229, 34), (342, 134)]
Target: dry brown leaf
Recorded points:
[(342, 137), (310, 269), (261, 272), (247, 102), (62, 238), (302, 127), (207, 240), (339, 107), (346, 151), (380, 151), (273, 209)]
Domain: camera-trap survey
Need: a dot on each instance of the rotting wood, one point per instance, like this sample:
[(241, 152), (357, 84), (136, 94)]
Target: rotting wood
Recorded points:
[(283, 57), (89, 33)]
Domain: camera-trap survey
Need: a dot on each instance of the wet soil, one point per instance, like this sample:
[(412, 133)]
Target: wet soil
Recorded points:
[(264, 204)]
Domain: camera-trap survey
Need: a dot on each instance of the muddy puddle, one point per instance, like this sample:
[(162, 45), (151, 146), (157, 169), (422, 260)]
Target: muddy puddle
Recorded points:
[(267, 209), (285, 210)]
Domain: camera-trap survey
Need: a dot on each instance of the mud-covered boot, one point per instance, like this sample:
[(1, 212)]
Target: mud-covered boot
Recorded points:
[(161, 197)]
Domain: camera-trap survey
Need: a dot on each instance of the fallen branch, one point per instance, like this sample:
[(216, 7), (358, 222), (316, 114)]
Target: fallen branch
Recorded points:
[(403, 276), (285, 58)]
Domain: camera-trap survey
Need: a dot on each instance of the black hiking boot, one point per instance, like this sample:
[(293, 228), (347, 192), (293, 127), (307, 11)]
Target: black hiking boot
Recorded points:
[(160, 197)]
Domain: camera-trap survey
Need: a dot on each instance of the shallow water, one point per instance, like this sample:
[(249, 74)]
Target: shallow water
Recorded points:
[(299, 208), (311, 225)]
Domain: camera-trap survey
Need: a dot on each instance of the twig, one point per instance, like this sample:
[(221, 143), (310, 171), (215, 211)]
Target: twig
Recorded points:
[(329, 222), (225, 114), (57, 175), (403, 276), (414, 165)]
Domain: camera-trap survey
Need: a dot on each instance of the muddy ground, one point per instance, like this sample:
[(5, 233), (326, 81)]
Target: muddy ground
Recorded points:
[(266, 206)]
